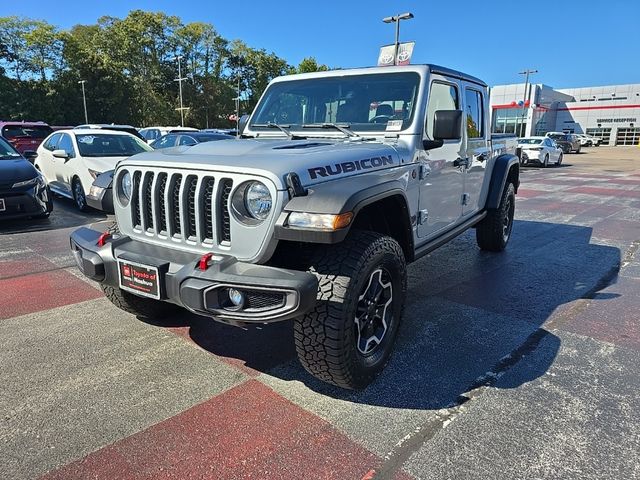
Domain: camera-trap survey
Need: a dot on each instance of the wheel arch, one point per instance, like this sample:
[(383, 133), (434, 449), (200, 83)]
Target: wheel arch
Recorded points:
[(378, 204), (505, 170)]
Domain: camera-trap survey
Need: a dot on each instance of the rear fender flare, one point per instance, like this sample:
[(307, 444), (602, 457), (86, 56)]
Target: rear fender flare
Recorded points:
[(501, 168)]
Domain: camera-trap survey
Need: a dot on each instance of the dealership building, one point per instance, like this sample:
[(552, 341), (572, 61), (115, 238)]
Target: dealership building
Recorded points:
[(611, 112)]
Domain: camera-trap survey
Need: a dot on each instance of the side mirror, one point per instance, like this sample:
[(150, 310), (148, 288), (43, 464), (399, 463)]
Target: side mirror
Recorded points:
[(60, 154), (447, 125), (30, 155), (242, 123)]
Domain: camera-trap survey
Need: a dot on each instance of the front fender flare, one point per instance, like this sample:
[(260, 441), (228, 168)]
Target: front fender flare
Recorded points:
[(350, 194)]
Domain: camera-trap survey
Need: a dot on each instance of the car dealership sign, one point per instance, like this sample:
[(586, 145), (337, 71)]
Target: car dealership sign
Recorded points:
[(387, 54)]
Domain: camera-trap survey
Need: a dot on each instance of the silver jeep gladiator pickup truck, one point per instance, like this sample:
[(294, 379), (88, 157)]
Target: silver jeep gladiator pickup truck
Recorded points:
[(341, 179)]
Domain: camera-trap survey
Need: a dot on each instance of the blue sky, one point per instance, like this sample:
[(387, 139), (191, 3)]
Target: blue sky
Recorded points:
[(571, 43)]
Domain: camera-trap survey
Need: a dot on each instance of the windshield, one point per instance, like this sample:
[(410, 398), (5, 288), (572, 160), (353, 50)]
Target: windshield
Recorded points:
[(530, 141), (7, 152), (110, 145), (21, 131), (362, 102)]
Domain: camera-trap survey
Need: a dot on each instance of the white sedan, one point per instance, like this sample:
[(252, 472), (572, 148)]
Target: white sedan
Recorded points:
[(71, 160), (542, 150)]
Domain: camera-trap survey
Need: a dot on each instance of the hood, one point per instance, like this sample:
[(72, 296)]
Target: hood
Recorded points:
[(18, 170), (102, 164), (314, 160)]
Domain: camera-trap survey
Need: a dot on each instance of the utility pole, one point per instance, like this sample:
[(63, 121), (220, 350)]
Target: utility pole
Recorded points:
[(527, 72), (84, 101), (179, 80), (396, 19)]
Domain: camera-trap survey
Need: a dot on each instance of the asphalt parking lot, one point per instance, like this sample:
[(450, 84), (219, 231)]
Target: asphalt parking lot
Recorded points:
[(516, 365)]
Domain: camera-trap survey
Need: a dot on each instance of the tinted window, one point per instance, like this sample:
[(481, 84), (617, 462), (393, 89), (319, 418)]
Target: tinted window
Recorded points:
[(20, 131), (473, 114), (529, 141), (7, 152), (165, 142), (109, 145), (186, 140), (52, 142), (67, 145), (442, 97)]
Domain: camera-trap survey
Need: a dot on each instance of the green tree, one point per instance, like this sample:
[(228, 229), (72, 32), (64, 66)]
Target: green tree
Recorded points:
[(310, 65)]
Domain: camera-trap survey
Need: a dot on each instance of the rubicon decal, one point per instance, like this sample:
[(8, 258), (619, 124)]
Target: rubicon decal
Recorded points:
[(346, 167)]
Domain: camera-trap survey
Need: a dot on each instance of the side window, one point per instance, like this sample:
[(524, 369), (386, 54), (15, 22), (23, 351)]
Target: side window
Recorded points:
[(473, 114), (166, 141), (52, 142), (443, 96), (67, 145), (186, 140)]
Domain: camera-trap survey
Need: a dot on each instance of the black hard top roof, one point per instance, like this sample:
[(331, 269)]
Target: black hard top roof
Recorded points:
[(455, 74)]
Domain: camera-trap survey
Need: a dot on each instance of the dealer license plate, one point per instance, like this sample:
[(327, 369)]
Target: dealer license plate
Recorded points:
[(139, 279), (3, 207)]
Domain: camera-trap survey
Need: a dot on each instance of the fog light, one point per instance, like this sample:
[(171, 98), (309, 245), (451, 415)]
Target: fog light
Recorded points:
[(236, 297)]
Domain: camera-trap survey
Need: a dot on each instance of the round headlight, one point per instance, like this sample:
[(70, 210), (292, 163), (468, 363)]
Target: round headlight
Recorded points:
[(126, 186), (257, 200)]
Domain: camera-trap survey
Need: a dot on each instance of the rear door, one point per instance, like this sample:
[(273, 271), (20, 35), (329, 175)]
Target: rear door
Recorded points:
[(45, 157), (441, 178), (477, 149)]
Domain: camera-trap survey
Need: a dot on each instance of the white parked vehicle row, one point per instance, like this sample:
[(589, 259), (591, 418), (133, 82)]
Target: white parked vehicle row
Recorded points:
[(71, 160), (542, 150)]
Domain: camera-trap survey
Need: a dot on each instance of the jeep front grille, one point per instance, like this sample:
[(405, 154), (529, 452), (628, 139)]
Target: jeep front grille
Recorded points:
[(193, 208)]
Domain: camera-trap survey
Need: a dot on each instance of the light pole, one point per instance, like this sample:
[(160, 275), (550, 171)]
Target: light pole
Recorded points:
[(237, 99), (84, 101), (396, 19), (179, 80), (526, 73)]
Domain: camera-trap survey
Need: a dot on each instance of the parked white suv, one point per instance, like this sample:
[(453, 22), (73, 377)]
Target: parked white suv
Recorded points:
[(71, 160)]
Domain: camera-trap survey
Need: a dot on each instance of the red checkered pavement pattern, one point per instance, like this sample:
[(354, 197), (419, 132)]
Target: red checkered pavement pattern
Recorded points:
[(91, 392)]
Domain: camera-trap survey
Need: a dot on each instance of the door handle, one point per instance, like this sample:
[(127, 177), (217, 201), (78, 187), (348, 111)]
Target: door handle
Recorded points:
[(461, 162)]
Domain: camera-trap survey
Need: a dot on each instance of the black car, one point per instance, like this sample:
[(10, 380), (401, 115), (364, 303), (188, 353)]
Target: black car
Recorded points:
[(186, 139), (23, 191), (565, 141)]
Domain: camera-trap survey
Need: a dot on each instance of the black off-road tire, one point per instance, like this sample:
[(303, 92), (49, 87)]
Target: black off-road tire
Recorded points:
[(139, 306), (130, 303), (328, 340), (494, 231)]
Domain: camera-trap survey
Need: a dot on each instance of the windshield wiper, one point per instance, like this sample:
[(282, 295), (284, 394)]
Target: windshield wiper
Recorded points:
[(344, 128), (282, 128)]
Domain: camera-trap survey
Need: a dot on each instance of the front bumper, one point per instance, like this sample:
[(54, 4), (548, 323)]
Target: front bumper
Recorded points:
[(273, 294), (27, 202)]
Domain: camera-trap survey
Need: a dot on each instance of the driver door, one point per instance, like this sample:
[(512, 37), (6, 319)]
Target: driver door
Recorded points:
[(441, 176)]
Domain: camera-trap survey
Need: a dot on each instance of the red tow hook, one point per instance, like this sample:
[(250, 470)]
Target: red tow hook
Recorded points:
[(203, 264), (102, 239)]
